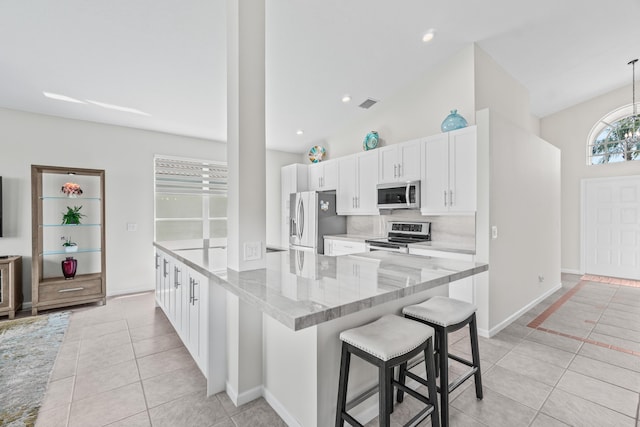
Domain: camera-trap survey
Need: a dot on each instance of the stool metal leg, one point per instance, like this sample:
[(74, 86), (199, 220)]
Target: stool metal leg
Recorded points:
[(431, 383), (444, 375), (475, 353), (341, 407), (384, 379)]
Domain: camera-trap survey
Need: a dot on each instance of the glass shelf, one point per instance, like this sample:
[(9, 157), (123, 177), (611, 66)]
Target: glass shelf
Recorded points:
[(79, 251), (70, 225), (69, 198)]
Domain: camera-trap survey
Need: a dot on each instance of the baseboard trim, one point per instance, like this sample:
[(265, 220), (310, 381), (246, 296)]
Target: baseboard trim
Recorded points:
[(280, 409), (500, 326), (570, 271), (245, 396), (130, 291)]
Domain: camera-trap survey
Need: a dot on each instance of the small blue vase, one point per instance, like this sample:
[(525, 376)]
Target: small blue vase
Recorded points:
[(453, 121)]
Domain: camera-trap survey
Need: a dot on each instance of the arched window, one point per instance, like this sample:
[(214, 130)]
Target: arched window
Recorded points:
[(615, 138)]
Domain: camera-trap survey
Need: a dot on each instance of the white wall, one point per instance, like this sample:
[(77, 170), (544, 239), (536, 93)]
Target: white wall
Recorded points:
[(126, 155), (416, 111), (569, 130), (524, 205), (497, 90)]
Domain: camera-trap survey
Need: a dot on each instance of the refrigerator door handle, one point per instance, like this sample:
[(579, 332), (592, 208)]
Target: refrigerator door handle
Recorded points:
[(300, 218)]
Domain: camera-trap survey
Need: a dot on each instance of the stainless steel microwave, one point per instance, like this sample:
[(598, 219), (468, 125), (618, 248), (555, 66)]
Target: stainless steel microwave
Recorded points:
[(399, 195)]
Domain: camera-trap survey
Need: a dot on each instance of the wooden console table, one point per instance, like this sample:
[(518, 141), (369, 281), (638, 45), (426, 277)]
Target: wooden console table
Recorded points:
[(10, 285)]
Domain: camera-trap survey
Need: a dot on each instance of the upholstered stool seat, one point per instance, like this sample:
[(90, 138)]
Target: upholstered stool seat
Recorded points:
[(386, 343), (447, 315)]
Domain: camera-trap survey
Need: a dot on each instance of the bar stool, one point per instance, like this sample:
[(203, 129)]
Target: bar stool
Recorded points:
[(386, 343), (446, 315)]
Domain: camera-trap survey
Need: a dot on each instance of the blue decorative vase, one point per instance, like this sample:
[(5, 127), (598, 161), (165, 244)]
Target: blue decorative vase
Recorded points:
[(370, 141), (453, 121)]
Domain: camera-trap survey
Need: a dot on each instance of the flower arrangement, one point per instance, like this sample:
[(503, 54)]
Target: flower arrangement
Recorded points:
[(67, 241), (71, 189), (68, 245), (72, 216)]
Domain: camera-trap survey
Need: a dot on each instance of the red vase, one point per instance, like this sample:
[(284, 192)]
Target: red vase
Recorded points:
[(69, 267)]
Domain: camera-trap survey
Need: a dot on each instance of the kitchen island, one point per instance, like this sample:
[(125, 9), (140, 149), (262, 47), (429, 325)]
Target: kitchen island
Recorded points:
[(281, 324)]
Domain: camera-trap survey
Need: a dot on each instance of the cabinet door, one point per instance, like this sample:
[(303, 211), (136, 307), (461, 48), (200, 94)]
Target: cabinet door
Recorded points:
[(435, 177), (409, 155), (347, 185), (330, 175), (177, 303), (388, 164), (316, 174), (462, 170), (367, 170)]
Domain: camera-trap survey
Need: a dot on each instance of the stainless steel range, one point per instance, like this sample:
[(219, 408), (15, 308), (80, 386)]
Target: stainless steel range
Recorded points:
[(400, 235)]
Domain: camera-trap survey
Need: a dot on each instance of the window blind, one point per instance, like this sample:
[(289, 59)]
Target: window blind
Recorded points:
[(179, 176)]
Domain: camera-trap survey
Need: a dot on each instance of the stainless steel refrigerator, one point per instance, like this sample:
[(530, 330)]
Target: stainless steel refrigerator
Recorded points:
[(312, 216)]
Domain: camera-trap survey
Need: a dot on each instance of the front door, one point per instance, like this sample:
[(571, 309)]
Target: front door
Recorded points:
[(611, 239)]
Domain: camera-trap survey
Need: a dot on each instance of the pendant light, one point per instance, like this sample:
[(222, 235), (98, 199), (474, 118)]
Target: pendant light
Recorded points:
[(633, 135)]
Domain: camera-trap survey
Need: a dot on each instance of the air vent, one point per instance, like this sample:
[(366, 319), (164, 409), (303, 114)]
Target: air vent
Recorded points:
[(368, 103)]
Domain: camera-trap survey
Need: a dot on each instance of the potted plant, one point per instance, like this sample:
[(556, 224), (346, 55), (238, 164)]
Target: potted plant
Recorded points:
[(72, 216), (68, 245)]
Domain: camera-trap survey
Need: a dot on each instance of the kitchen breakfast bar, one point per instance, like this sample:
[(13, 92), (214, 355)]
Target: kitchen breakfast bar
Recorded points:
[(274, 332)]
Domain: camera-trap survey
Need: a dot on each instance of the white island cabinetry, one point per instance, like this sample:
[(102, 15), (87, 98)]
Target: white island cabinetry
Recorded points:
[(182, 293)]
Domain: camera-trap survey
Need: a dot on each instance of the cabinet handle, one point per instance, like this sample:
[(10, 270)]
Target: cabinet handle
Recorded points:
[(70, 290), (399, 170), (193, 296), (395, 170), (445, 197), (450, 197), (176, 271), (357, 202), (164, 268), (190, 289), (157, 261)]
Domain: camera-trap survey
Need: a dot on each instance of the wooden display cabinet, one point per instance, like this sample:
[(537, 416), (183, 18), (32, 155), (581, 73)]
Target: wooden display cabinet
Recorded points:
[(49, 287), (10, 285)]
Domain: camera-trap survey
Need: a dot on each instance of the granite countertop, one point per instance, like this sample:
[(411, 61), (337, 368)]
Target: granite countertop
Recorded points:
[(302, 289), (445, 247), (353, 237)]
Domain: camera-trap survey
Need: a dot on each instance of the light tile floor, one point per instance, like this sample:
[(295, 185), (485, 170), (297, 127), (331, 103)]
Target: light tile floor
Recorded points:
[(571, 364)]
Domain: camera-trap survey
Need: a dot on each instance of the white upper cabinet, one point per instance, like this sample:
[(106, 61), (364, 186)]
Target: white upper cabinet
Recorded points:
[(448, 181), (357, 178), (323, 176), (400, 162)]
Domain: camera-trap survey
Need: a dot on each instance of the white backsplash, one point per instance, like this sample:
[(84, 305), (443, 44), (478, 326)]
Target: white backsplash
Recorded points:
[(447, 228)]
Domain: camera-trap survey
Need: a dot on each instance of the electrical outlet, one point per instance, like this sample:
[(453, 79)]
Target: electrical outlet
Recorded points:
[(132, 226), (252, 251), (494, 231)]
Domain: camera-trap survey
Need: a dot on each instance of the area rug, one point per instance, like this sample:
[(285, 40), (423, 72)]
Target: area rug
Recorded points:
[(28, 350)]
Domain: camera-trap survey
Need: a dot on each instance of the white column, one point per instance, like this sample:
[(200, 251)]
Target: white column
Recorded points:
[(246, 211)]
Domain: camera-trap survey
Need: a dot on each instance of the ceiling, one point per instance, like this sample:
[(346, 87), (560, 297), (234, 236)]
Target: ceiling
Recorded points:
[(167, 58)]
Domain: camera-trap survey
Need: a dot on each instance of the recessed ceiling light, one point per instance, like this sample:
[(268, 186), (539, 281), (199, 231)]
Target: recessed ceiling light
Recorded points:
[(346, 98), (118, 108), (429, 35), (299, 132), (60, 97)]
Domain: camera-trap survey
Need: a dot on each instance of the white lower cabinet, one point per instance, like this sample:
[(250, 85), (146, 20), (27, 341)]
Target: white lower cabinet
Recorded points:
[(337, 247), (182, 293), (460, 289)]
